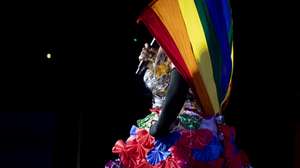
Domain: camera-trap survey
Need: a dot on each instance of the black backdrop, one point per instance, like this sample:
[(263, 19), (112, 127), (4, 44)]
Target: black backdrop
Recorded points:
[(56, 113)]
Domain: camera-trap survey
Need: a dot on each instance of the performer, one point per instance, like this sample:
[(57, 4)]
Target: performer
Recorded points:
[(176, 133)]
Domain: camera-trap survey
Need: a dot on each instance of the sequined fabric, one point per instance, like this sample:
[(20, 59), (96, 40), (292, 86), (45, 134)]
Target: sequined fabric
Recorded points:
[(157, 79)]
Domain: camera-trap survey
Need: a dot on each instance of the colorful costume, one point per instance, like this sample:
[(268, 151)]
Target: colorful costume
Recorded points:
[(195, 141), (197, 37)]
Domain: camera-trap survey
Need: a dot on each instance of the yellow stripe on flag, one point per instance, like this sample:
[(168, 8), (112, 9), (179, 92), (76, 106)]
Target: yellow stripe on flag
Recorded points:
[(199, 45), (169, 13)]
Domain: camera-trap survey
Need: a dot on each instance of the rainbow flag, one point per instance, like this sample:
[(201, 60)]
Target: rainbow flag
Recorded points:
[(197, 37)]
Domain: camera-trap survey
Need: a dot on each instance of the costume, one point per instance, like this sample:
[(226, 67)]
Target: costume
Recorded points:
[(196, 36), (194, 140)]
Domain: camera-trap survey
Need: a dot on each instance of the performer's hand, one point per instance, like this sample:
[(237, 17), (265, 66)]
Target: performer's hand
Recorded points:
[(147, 53)]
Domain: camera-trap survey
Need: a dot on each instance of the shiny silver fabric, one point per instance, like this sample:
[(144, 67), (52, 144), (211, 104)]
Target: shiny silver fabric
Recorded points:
[(158, 84)]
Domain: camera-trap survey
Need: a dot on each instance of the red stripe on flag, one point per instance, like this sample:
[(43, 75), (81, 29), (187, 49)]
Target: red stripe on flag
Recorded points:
[(160, 32)]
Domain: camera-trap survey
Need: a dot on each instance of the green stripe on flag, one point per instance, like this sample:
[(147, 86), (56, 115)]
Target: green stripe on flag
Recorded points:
[(212, 43)]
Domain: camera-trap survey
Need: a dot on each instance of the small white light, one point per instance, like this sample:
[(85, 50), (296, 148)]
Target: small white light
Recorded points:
[(48, 56)]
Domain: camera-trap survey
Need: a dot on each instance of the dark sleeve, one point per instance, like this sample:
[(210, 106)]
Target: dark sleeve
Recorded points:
[(175, 98)]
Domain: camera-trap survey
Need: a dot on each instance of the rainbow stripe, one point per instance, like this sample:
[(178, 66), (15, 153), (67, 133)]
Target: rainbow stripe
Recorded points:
[(197, 36)]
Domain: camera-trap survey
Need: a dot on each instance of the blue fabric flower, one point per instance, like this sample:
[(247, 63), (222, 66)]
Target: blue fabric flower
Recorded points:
[(161, 145), (211, 152), (133, 130), (155, 155)]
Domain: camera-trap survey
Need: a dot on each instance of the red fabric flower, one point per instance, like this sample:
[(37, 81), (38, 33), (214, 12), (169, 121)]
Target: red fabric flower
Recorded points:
[(229, 136), (168, 163), (126, 154), (144, 164), (229, 132), (136, 150), (133, 152), (143, 137), (195, 138), (181, 154), (234, 158)]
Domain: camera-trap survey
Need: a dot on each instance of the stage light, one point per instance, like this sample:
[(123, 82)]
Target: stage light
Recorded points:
[(48, 56)]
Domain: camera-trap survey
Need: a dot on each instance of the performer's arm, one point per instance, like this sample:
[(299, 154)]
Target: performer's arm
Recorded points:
[(146, 58), (175, 99)]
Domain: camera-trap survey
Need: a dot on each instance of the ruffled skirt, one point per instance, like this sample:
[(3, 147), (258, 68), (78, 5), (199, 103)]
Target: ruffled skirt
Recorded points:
[(192, 143)]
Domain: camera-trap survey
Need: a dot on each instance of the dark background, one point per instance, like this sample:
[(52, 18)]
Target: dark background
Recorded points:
[(71, 109)]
